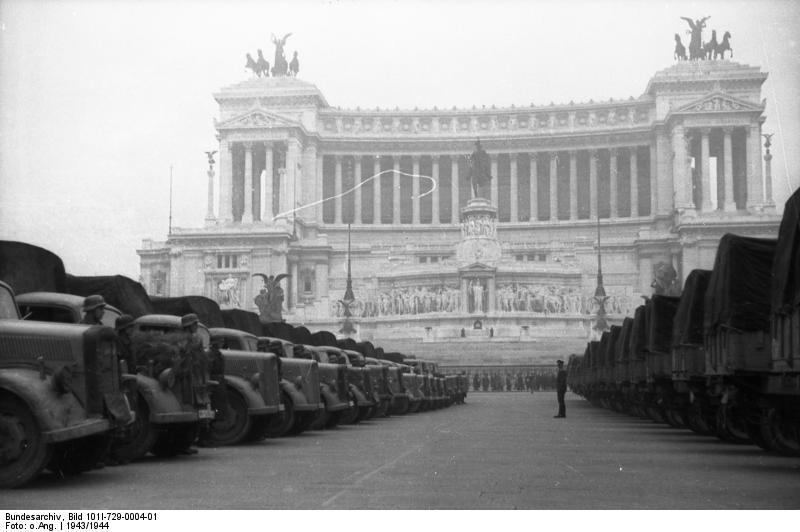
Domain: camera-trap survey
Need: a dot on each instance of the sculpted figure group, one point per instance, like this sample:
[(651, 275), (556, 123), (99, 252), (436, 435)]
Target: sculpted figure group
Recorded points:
[(697, 48), (479, 226), (280, 67)]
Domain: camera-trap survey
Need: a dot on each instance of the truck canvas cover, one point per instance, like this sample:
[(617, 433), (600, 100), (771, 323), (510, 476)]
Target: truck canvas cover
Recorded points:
[(324, 338), (662, 315), (786, 265), (28, 268), (122, 292), (623, 345), (738, 292), (242, 320), (639, 332), (206, 309), (687, 328)]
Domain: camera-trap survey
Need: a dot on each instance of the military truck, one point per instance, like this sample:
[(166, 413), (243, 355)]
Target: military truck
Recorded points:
[(378, 389), (358, 382), (59, 308), (60, 395), (297, 380), (174, 388), (247, 398), (334, 393), (400, 397)]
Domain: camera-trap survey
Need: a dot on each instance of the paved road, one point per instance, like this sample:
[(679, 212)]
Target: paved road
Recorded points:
[(499, 451)]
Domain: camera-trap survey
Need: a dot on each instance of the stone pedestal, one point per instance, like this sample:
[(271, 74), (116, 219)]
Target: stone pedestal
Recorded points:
[(477, 254)]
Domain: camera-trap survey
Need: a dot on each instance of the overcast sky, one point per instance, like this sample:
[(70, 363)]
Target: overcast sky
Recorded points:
[(99, 99)]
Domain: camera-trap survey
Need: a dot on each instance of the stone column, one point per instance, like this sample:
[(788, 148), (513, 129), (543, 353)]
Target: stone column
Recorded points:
[(294, 281), (320, 189), (655, 153), (754, 179), (514, 194), (415, 190), (729, 205), (705, 175), (553, 186), (321, 278), (337, 191), (210, 219), (435, 199), (247, 215), (266, 186), (464, 296), (612, 172), (396, 191), (768, 201), (225, 180), (494, 186), (292, 160), (357, 183), (376, 191), (534, 192), (634, 151), (491, 287), (456, 218), (593, 211), (679, 168), (573, 185)]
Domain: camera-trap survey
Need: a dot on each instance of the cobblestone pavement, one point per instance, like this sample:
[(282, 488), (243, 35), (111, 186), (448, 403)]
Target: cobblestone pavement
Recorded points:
[(499, 451)]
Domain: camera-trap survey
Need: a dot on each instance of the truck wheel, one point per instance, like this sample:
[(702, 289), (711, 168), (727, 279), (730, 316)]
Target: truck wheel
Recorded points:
[(350, 416), (365, 412), (76, 456), (321, 418), (730, 427), (23, 451), (696, 421), (231, 428), (780, 434), (281, 423), (176, 439), (137, 439), (675, 418)]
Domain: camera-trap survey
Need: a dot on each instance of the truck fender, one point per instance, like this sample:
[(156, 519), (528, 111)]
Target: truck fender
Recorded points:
[(329, 397), (360, 398), (159, 400), (50, 409), (251, 396), (296, 395)]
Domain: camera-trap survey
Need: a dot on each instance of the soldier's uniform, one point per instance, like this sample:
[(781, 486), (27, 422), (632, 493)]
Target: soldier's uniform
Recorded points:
[(123, 326), (91, 314), (561, 389)]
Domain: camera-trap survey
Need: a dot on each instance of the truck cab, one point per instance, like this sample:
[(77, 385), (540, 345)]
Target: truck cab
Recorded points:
[(334, 394), (297, 382), (60, 395), (358, 381)]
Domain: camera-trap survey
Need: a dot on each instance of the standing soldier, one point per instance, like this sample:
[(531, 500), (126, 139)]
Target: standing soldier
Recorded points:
[(94, 307), (123, 326), (476, 382), (561, 389), (508, 382)]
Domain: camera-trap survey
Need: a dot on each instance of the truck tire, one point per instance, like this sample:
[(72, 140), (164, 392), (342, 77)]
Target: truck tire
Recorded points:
[(780, 434), (350, 416), (302, 422), (23, 451), (333, 420), (231, 428), (280, 424), (730, 427), (137, 439), (321, 418)]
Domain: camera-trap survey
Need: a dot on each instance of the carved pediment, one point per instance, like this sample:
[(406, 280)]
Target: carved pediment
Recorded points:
[(718, 102), (257, 119)]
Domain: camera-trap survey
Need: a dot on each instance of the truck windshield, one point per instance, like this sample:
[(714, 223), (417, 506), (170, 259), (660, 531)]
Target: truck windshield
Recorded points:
[(8, 309)]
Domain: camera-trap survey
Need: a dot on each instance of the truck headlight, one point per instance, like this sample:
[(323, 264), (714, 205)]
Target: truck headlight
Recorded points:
[(255, 380), (298, 383), (62, 380)]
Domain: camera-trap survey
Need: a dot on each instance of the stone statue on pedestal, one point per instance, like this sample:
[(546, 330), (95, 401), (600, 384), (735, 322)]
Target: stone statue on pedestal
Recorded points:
[(696, 44), (270, 300), (280, 67), (479, 169)]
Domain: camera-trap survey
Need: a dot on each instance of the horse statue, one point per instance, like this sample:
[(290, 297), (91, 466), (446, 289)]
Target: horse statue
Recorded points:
[(294, 66), (724, 45), (280, 67), (479, 169), (252, 65), (696, 31), (710, 46), (270, 300), (262, 65), (680, 49)]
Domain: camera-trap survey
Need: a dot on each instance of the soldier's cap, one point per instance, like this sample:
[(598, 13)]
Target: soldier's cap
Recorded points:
[(123, 322), (560, 362), (92, 302), (189, 319)]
